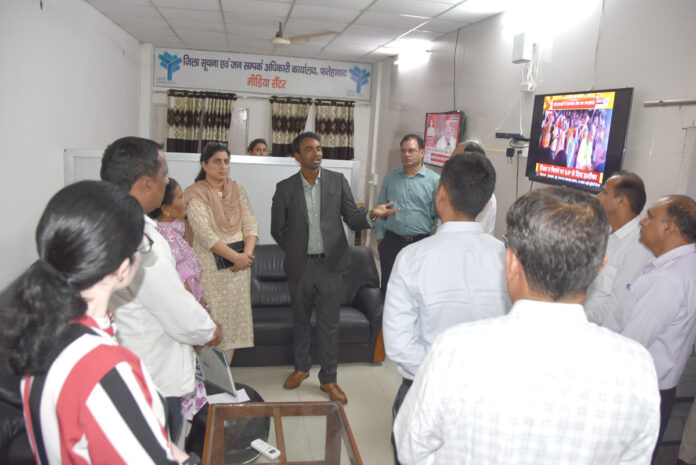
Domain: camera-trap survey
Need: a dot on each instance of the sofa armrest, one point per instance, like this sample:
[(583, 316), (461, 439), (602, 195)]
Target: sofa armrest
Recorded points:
[(368, 300)]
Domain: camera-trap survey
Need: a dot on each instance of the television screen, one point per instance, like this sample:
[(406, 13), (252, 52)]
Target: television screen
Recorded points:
[(577, 139), (442, 134)]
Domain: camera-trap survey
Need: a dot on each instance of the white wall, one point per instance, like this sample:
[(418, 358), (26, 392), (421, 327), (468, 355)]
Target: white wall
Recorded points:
[(70, 78), (646, 44)]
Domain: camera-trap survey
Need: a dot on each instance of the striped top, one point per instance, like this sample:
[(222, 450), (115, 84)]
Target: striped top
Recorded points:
[(95, 404)]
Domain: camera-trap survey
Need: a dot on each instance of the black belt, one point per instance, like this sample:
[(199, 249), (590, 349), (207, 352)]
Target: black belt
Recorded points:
[(316, 256), (415, 238)]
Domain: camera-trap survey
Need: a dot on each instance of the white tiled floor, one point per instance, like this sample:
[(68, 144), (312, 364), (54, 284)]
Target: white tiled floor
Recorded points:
[(370, 389)]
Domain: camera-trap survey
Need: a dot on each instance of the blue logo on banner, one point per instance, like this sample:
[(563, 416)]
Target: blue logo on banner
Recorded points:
[(170, 63), (360, 77)]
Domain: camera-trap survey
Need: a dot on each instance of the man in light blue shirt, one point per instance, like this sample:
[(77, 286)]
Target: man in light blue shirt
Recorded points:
[(412, 189), (659, 308), (455, 276)]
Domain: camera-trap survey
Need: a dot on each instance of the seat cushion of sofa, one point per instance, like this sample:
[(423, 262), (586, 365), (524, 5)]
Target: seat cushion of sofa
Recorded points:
[(273, 326)]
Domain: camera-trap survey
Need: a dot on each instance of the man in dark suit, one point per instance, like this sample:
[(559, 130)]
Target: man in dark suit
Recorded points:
[(307, 222)]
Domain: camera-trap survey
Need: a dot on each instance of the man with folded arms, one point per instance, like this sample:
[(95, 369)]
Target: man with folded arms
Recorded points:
[(659, 308), (623, 198), (540, 385)]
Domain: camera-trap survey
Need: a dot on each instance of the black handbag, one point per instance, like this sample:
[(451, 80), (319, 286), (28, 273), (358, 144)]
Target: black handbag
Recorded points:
[(221, 263)]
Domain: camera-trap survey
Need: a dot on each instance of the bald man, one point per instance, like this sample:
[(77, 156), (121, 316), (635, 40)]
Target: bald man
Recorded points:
[(659, 308), (487, 215)]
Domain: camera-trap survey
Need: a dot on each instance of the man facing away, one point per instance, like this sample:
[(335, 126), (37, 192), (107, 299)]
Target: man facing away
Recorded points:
[(307, 217), (486, 216), (156, 317), (411, 188), (623, 198), (659, 308), (454, 276), (540, 385)]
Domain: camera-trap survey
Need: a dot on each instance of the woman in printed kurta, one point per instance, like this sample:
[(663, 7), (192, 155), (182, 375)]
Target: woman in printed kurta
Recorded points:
[(219, 213)]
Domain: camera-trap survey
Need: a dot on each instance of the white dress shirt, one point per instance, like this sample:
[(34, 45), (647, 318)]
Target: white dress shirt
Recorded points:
[(454, 276), (659, 311), (159, 320), (487, 216), (626, 259), (538, 386)]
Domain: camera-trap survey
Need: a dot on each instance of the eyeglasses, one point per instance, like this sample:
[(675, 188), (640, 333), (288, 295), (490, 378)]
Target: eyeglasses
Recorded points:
[(505, 241), (146, 245)]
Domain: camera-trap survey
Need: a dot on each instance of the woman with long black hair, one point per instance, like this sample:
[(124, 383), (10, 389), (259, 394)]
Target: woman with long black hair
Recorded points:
[(85, 398)]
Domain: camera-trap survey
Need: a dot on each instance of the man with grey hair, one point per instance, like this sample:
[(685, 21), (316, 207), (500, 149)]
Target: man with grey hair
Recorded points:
[(658, 309), (540, 385)]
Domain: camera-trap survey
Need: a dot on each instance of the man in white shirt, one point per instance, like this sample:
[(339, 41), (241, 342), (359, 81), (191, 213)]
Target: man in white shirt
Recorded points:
[(486, 216), (155, 316), (540, 385), (456, 275), (623, 198), (659, 308)]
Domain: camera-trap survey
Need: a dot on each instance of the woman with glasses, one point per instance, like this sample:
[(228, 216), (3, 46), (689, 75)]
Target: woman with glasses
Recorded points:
[(220, 214), (85, 398)]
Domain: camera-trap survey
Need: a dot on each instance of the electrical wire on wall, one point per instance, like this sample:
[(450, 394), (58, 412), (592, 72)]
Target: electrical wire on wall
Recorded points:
[(596, 50), (517, 146), (454, 74)]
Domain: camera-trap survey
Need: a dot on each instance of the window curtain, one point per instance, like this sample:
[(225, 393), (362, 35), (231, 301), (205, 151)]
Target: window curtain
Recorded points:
[(194, 118), (288, 119), (334, 124)]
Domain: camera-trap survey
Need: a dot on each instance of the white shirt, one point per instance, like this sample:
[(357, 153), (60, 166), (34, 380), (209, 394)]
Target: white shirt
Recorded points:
[(626, 257), (538, 386), (487, 216), (159, 320), (456, 275), (659, 311)]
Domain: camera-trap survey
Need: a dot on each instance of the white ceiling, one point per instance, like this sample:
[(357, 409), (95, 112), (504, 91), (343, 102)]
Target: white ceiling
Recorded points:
[(364, 27)]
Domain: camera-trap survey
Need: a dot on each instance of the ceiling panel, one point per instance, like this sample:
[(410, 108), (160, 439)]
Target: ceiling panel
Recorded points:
[(352, 4), (187, 25), (320, 13), (256, 7), (192, 15), (373, 18), (145, 11), (139, 22), (212, 5), (410, 7), (105, 3), (246, 26)]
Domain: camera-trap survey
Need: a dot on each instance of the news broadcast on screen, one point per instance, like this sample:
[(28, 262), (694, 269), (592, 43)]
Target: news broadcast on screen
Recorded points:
[(578, 139)]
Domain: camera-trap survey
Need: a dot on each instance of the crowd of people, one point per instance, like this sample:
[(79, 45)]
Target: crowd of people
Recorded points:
[(562, 343), (575, 139)]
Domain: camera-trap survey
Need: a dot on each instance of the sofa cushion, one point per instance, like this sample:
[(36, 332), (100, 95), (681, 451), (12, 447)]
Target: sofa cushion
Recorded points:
[(273, 326)]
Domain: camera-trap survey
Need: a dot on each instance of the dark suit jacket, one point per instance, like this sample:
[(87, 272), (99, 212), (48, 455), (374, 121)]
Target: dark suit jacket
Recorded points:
[(290, 221)]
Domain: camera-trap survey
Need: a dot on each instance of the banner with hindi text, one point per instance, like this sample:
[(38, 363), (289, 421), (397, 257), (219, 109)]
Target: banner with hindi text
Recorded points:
[(194, 69)]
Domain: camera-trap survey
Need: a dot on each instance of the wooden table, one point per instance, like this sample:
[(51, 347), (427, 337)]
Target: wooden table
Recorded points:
[(221, 439)]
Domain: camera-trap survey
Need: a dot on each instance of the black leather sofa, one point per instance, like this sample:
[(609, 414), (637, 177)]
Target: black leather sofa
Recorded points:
[(360, 318)]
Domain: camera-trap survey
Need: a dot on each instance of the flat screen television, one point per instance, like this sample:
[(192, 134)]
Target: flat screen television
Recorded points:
[(577, 138), (443, 132)]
